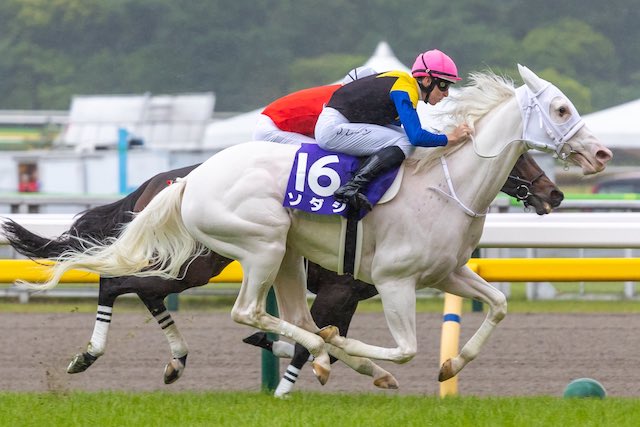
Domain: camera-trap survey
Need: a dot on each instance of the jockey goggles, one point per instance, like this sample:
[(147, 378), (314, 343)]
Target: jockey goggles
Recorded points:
[(441, 84)]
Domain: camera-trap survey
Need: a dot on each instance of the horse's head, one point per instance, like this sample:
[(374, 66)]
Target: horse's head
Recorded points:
[(528, 182), (552, 123)]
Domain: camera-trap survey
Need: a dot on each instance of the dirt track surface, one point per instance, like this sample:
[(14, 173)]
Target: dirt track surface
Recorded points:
[(535, 354)]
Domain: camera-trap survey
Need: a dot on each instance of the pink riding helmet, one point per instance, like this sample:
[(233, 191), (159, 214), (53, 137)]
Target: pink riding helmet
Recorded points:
[(435, 63)]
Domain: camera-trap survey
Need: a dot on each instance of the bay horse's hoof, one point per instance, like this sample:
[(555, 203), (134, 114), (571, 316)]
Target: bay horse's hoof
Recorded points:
[(80, 363), (328, 333), (446, 371), (174, 369), (387, 382), (259, 339)]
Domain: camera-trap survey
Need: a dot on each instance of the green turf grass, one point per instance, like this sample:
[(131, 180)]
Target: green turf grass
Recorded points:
[(307, 409)]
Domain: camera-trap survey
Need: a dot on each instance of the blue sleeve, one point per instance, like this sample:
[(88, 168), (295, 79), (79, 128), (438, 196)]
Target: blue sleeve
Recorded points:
[(411, 123)]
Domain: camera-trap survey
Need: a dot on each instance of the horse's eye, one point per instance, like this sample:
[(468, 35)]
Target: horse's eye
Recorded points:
[(562, 111)]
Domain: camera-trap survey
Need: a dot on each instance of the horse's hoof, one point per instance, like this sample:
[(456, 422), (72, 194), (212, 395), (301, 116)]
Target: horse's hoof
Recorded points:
[(328, 333), (387, 382), (80, 363), (173, 371), (321, 372), (259, 339), (446, 371)]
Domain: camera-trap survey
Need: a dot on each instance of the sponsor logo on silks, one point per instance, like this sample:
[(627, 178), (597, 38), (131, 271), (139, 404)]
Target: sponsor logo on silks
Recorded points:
[(316, 174)]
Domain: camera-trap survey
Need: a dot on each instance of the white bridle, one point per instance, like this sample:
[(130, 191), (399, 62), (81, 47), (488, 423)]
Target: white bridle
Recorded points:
[(535, 133), (542, 134)]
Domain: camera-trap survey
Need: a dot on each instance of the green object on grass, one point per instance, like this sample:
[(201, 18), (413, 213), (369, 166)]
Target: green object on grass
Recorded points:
[(585, 387)]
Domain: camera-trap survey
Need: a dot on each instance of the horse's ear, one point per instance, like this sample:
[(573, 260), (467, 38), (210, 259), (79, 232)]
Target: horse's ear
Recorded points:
[(530, 78)]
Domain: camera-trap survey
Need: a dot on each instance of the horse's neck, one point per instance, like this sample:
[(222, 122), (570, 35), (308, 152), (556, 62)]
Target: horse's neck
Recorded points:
[(479, 180), (476, 180)]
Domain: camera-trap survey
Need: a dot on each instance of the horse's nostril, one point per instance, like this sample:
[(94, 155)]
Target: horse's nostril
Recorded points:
[(604, 155)]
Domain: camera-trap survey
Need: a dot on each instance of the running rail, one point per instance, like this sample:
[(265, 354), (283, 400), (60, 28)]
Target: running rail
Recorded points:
[(491, 269), (501, 230)]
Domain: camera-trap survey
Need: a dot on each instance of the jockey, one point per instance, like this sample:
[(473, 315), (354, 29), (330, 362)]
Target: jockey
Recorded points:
[(292, 118), (364, 118)]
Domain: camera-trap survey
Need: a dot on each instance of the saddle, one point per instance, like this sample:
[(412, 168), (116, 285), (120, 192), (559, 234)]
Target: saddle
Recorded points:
[(315, 175)]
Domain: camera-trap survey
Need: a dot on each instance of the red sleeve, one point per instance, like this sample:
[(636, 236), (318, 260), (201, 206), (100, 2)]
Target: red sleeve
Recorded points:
[(298, 112)]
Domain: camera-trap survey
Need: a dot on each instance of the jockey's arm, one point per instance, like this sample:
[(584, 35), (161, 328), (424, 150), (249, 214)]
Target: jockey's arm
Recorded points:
[(411, 123)]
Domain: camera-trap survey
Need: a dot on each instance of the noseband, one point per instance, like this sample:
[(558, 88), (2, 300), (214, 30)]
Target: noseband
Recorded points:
[(522, 190)]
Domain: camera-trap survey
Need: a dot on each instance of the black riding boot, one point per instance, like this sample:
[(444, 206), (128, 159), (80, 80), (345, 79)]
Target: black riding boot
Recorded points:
[(372, 167)]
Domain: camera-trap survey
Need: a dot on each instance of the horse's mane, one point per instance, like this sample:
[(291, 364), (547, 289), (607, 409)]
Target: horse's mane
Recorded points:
[(484, 92)]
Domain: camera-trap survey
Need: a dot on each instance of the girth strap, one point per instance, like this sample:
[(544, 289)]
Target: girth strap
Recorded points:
[(350, 244)]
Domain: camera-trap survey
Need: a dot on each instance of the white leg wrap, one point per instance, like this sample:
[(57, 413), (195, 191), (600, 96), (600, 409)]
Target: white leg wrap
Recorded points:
[(98, 342), (287, 382), (283, 349), (177, 344)]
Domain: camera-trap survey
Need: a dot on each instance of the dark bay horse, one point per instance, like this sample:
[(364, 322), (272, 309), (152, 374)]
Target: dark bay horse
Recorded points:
[(336, 296)]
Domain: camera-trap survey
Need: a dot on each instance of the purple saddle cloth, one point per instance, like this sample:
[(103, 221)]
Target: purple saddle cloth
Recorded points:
[(316, 174)]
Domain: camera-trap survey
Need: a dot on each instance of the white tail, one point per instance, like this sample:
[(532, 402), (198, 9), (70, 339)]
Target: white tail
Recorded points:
[(156, 241)]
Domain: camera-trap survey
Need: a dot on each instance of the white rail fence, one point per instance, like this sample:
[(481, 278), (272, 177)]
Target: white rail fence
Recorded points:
[(605, 230), (583, 230)]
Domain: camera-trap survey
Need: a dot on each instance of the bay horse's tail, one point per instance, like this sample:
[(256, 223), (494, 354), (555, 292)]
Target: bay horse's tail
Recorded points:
[(155, 241), (93, 225)]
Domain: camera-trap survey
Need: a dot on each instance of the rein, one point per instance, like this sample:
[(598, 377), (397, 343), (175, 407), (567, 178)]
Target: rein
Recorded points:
[(452, 192), (522, 190)]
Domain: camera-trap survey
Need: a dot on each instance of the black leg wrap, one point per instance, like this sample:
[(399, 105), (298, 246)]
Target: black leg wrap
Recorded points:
[(300, 356)]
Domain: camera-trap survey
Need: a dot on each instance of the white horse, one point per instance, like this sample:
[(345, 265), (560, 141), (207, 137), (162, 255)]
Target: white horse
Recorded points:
[(232, 205)]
